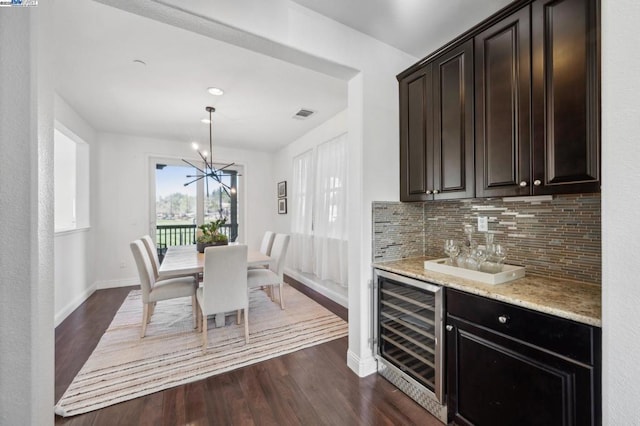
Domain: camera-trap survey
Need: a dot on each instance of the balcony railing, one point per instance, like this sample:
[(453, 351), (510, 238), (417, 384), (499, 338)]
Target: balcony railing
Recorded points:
[(178, 235)]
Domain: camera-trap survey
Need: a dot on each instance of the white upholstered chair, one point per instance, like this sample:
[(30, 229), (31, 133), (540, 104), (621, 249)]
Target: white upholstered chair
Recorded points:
[(273, 276), (154, 291), (224, 285), (267, 243), (265, 247), (152, 251)]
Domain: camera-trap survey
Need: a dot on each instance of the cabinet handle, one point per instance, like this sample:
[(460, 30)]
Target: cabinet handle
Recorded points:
[(503, 319), (435, 191), (449, 327), (537, 182), (428, 192), (523, 184)]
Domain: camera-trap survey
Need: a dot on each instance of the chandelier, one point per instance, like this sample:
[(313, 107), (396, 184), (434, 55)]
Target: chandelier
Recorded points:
[(209, 171)]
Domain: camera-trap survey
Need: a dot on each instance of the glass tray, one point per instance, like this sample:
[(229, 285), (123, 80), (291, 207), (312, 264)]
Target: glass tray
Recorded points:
[(508, 273)]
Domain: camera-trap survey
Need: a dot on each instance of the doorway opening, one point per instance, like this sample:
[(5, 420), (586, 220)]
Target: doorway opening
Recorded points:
[(178, 209)]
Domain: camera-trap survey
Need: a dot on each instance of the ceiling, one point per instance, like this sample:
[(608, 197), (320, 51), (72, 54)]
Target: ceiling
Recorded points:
[(416, 27), (95, 72)]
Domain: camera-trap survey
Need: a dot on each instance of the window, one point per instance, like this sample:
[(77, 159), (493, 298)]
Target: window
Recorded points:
[(71, 180), (178, 209), (319, 222)]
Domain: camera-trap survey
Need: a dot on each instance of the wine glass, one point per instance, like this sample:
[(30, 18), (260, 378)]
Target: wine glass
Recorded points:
[(499, 253), (451, 249), (481, 257)]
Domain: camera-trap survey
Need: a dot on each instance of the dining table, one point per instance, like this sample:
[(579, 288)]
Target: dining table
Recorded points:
[(186, 260)]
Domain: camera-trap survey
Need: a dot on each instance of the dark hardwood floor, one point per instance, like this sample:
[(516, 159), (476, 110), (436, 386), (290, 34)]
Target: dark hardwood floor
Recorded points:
[(313, 386)]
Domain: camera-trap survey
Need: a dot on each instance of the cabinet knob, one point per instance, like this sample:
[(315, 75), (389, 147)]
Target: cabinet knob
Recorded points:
[(435, 191), (428, 191), (537, 182), (503, 319), (449, 327), (523, 184)]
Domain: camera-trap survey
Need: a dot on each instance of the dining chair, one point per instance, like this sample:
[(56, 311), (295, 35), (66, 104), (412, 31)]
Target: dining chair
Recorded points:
[(273, 276), (267, 243), (154, 291), (224, 286), (152, 251), (265, 247)]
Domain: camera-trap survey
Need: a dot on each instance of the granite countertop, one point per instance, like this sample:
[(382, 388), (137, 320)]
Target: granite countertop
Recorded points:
[(574, 300)]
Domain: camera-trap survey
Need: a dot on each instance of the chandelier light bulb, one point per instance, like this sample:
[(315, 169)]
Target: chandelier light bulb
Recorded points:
[(204, 154), (194, 145)]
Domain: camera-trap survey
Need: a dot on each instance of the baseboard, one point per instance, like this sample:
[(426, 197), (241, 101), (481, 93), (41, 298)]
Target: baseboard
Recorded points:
[(362, 367), (73, 305), (126, 282), (314, 285)]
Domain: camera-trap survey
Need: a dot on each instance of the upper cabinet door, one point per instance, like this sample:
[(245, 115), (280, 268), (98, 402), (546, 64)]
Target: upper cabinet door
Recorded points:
[(502, 86), (566, 113), (453, 171), (416, 135)]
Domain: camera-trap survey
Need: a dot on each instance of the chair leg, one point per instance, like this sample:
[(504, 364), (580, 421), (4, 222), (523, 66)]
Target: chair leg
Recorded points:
[(204, 332), (199, 318), (281, 296), (194, 307), (246, 325), (238, 316), (145, 319), (153, 309)]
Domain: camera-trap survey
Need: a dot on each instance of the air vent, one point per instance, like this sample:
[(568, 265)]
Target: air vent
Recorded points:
[(303, 114)]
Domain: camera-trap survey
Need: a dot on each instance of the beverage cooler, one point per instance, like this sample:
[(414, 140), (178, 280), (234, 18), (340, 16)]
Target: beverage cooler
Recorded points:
[(408, 338)]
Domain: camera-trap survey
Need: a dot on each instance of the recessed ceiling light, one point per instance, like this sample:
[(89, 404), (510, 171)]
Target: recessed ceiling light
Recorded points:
[(206, 120), (215, 91)]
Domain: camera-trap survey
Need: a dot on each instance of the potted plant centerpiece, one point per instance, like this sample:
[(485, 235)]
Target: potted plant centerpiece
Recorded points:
[(211, 235)]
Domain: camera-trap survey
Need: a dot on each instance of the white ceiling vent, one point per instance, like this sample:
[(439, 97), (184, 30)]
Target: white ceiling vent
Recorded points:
[(303, 114)]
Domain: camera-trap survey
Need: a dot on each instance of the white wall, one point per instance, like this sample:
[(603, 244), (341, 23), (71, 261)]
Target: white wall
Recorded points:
[(26, 209), (121, 197), (283, 160), (74, 276), (373, 150), (283, 170), (299, 35), (620, 207)]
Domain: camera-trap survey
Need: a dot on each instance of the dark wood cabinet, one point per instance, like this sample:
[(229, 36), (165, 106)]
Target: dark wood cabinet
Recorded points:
[(416, 135), (508, 365), (512, 107), (436, 128), (453, 139), (503, 107), (548, 143), (566, 96)]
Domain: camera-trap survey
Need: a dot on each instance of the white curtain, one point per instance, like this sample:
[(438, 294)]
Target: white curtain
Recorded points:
[(319, 215), (301, 253), (330, 211)]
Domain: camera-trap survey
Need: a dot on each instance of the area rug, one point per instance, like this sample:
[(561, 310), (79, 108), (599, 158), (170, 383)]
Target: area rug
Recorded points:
[(123, 366)]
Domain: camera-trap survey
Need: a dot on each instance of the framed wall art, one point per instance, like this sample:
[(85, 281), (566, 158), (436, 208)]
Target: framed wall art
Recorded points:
[(282, 189), (282, 206)]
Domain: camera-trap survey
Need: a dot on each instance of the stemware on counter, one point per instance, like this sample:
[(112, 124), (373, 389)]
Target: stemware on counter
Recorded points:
[(488, 258)]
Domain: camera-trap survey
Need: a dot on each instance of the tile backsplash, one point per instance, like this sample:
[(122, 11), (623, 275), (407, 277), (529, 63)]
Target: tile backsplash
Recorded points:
[(558, 237), (398, 230)]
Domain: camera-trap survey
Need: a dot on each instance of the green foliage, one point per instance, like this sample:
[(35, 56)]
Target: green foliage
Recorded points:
[(211, 232)]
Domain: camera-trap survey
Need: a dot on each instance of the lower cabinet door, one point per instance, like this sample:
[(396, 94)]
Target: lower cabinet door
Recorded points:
[(495, 380)]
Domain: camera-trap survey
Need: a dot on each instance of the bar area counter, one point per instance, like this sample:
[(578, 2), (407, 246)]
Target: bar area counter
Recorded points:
[(573, 300)]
